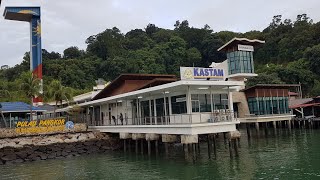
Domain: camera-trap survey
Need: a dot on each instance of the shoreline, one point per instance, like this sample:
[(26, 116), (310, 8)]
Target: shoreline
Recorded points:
[(54, 146)]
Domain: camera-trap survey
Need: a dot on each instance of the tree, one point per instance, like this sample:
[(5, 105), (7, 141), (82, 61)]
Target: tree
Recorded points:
[(72, 52), (151, 29), (313, 56), (264, 78), (30, 86), (50, 55), (106, 44), (57, 92), (4, 91)]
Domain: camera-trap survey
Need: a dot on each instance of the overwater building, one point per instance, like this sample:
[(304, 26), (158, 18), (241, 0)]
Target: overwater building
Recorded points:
[(200, 101)]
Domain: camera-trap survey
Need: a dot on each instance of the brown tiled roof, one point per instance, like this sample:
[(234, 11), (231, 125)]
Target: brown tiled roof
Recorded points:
[(151, 80)]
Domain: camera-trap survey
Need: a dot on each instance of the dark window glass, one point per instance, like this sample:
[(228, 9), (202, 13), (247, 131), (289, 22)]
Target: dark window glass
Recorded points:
[(178, 104)]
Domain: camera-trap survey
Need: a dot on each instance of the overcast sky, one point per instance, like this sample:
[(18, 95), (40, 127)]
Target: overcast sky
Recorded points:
[(68, 23)]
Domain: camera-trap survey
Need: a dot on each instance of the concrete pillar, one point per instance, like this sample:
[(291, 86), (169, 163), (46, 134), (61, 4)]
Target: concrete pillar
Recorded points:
[(274, 124), (235, 147), (257, 126), (230, 148), (129, 145), (149, 147), (136, 146), (137, 136), (149, 138), (168, 138), (209, 145), (230, 101), (141, 144), (248, 130), (233, 135), (189, 139), (152, 137), (166, 147), (186, 150), (157, 146), (194, 150), (214, 145), (125, 135)]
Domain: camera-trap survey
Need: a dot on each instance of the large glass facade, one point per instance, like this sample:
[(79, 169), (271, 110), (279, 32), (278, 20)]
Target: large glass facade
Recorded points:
[(268, 105), (202, 102), (240, 62)]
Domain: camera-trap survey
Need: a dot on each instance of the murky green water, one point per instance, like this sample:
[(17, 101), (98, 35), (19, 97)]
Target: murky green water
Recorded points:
[(289, 155)]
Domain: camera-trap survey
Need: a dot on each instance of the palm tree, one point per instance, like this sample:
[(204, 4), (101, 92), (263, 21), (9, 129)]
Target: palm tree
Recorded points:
[(58, 93), (30, 86)]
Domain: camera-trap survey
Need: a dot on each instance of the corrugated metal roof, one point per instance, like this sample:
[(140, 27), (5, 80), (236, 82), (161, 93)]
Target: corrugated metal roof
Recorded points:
[(18, 107), (296, 102), (271, 86), (304, 105)]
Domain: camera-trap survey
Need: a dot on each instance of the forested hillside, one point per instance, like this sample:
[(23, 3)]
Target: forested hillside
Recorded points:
[(291, 55)]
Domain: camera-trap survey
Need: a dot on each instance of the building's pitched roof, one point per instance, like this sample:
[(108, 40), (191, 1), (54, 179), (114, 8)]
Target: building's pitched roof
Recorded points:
[(150, 81), (244, 41), (8, 107)]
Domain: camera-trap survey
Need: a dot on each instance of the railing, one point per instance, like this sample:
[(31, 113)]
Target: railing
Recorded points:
[(195, 118)]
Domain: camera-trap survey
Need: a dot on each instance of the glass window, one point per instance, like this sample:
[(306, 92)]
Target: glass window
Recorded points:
[(159, 107), (240, 62), (195, 106), (178, 104), (205, 103), (268, 105), (220, 101), (145, 109)]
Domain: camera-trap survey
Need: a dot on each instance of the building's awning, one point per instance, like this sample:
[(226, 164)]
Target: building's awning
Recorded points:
[(18, 107), (171, 87), (271, 86), (304, 105)]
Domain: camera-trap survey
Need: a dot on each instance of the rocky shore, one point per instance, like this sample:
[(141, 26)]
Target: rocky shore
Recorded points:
[(34, 148)]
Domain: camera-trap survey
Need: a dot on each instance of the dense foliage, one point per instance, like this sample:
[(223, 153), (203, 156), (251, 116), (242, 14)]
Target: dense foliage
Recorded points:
[(291, 55)]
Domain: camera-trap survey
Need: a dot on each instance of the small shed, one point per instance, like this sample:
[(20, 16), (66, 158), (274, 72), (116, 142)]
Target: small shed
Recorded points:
[(11, 112)]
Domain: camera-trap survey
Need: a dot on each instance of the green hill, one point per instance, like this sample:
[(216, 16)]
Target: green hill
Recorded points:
[(291, 55)]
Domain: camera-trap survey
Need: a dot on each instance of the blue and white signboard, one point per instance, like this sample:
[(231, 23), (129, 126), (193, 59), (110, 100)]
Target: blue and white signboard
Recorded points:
[(69, 125), (197, 73)]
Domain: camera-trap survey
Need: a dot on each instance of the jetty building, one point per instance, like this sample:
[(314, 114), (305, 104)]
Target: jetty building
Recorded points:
[(201, 101)]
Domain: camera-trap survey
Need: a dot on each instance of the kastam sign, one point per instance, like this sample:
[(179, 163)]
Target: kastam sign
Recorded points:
[(196, 73)]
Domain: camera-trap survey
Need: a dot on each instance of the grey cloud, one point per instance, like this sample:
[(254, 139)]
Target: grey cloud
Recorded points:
[(69, 22)]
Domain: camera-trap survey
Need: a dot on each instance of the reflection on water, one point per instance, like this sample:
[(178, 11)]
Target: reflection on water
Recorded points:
[(288, 155)]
